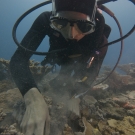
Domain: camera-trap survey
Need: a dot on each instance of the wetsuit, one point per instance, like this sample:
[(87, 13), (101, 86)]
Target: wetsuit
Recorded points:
[(19, 64)]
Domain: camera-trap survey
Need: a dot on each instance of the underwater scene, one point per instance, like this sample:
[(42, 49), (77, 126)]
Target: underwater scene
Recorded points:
[(67, 67)]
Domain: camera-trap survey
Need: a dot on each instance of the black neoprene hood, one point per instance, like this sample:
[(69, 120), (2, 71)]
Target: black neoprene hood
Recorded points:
[(83, 6)]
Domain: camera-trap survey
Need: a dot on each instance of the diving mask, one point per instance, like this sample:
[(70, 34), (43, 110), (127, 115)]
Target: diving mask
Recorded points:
[(84, 26)]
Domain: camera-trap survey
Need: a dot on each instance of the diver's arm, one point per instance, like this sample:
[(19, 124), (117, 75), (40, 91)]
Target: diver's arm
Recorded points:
[(19, 64), (36, 119)]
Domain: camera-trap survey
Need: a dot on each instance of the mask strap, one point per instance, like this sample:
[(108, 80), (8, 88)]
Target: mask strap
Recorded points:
[(53, 8), (94, 12)]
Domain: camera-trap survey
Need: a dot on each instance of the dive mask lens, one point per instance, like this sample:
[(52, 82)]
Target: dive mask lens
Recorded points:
[(85, 27), (59, 23)]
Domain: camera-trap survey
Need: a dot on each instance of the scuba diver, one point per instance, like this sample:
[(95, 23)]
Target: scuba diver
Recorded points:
[(75, 25)]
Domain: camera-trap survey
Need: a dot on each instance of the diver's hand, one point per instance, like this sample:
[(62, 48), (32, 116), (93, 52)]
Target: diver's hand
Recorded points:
[(73, 107), (36, 120)]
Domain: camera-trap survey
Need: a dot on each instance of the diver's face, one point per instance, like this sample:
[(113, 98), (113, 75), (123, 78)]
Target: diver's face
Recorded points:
[(72, 31)]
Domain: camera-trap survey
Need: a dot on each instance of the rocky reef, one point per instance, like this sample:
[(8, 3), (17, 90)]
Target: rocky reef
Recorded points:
[(106, 109)]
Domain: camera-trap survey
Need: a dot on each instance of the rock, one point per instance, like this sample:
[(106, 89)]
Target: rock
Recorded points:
[(132, 73), (6, 85), (79, 133), (88, 128), (73, 108), (102, 125), (59, 105), (55, 128), (99, 113), (125, 126), (93, 122), (114, 115), (112, 123), (128, 68), (115, 133), (125, 67), (85, 112), (99, 94), (131, 94), (96, 132), (114, 112), (2, 114), (9, 98), (101, 87), (102, 101), (48, 100), (131, 112), (125, 79), (11, 130), (67, 130), (89, 100)]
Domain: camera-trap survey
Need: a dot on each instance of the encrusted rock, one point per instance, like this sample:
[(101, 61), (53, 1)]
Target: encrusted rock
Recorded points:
[(60, 105), (115, 133), (11, 130), (85, 112), (114, 115), (48, 100), (101, 87), (67, 130), (2, 114), (131, 112), (74, 108), (89, 100), (127, 67), (88, 129), (126, 79), (9, 98), (102, 125), (131, 94), (6, 85), (102, 101), (132, 73), (126, 125)]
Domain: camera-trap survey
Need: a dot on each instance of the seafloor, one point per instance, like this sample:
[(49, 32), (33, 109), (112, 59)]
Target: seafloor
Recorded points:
[(106, 109)]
